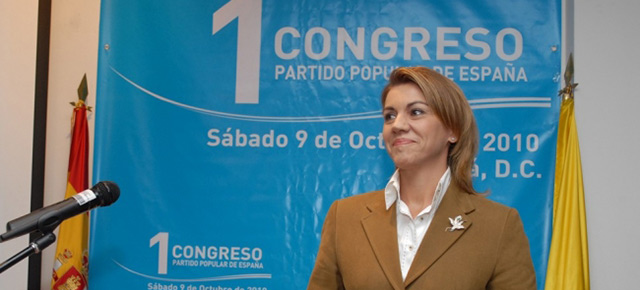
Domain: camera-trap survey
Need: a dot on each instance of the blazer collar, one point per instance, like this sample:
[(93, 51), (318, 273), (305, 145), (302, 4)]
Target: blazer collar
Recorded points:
[(380, 228), (438, 239)]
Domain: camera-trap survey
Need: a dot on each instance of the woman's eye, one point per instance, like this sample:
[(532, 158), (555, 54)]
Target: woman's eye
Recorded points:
[(389, 116), (416, 112)]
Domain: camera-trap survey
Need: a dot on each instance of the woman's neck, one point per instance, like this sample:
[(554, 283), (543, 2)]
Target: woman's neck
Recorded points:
[(418, 186)]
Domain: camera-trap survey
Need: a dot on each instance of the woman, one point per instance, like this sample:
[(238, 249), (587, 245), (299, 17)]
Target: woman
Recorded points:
[(428, 229)]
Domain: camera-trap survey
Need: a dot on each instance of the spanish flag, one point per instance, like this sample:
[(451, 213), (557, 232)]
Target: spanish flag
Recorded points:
[(71, 259), (568, 266)]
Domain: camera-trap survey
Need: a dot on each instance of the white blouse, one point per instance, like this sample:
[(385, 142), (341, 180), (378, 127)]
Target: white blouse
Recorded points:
[(411, 231)]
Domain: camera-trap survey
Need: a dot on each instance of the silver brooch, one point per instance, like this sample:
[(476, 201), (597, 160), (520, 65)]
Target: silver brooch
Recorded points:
[(456, 224)]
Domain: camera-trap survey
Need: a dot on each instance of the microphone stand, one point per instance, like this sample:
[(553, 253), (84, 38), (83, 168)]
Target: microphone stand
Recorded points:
[(34, 248)]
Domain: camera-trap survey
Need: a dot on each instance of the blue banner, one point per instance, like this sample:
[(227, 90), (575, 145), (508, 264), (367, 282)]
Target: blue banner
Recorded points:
[(231, 126)]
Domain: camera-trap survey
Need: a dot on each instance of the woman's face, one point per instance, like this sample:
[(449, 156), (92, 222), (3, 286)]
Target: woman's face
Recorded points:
[(413, 134)]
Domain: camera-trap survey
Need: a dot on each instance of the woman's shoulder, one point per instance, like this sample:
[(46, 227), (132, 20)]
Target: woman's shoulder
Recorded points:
[(353, 208), (361, 203), (484, 206), (482, 200), (363, 198)]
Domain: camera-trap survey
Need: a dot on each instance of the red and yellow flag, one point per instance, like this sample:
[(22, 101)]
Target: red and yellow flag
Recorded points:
[(568, 266), (70, 266)]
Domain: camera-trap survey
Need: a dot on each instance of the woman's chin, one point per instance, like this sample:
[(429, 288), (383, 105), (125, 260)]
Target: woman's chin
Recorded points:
[(403, 162)]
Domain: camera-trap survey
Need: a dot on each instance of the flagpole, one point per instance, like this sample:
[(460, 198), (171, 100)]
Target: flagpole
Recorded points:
[(568, 265)]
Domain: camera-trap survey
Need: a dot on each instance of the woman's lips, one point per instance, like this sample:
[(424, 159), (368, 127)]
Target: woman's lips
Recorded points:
[(402, 141)]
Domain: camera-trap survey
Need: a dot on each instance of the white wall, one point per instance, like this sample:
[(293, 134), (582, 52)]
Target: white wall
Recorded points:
[(606, 39), (607, 102), (73, 52), (18, 19)]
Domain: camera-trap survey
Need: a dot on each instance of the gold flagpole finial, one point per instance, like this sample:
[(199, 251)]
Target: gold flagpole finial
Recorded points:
[(83, 92), (569, 86)]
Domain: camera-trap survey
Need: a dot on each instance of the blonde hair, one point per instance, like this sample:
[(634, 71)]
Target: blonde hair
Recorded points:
[(448, 102)]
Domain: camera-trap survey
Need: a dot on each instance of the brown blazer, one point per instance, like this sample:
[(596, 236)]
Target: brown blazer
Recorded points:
[(359, 247)]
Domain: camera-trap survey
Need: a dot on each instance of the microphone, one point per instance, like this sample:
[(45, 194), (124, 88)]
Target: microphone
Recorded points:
[(46, 219)]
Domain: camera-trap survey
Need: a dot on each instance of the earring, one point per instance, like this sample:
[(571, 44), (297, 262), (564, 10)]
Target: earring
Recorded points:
[(452, 139)]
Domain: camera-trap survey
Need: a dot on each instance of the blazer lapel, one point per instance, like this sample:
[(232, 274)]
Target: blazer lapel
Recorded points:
[(380, 228), (438, 238)]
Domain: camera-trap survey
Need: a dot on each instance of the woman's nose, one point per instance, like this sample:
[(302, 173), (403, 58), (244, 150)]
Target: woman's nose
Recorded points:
[(400, 123)]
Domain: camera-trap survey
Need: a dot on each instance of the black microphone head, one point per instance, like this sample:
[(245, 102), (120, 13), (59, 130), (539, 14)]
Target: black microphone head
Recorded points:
[(107, 192)]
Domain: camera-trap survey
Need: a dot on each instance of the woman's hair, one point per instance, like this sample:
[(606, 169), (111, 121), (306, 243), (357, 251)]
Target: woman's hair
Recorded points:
[(448, 102)]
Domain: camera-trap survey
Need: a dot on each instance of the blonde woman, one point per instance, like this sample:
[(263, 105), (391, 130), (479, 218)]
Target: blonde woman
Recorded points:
[(429, 228)]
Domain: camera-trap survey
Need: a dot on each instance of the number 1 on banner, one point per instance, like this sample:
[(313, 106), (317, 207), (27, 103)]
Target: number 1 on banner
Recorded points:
[(163, 250), (249, 14)]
